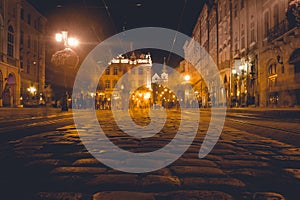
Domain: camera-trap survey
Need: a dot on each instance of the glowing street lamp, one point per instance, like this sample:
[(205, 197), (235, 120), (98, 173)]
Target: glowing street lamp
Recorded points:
[(61, 57), (73, 42), (187, 77), (32, 90), (68, 41)]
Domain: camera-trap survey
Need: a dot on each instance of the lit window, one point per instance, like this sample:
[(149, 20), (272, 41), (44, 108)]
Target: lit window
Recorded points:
[(272, 76), (107, 84)]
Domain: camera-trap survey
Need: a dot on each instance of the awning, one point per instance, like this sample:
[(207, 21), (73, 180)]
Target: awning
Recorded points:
[(295, 57)]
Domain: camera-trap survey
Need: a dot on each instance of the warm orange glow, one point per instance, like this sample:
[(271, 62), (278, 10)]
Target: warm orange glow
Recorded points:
[(187, 77), (32, 90), (73, 42), (59, 37), (147, 96)]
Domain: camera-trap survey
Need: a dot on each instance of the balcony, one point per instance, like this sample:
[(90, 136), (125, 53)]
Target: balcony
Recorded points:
[(279, 30), (291, 22)]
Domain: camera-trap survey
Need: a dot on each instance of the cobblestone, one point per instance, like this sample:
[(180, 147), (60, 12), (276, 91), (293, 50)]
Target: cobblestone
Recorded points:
[(122, 195), (160, 183), (197, 171), (241, 166), (78, 170), (62, 196), (201, 183)]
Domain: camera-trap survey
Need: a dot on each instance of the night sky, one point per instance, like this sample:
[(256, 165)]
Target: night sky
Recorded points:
[(92, 21), (179, 15)]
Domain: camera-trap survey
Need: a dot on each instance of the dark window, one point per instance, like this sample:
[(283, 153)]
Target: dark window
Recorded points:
[(22, 38), (272, 69), (29, 19), (107, 71), (266, 23), (21, 62), (115, 70), (297, 68), (22, 13), (242, 4), (243, 42), (276, 15), (10, 41)]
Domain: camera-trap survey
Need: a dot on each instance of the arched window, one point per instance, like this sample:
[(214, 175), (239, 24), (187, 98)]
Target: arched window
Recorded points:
[(225, 79), (272, 69), (272, 75), (10, 41)]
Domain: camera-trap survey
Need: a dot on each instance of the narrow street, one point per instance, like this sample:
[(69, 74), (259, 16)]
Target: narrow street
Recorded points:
[(256, 157)]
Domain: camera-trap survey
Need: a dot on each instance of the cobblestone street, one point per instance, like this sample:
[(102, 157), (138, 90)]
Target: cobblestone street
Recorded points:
[(56, 165)]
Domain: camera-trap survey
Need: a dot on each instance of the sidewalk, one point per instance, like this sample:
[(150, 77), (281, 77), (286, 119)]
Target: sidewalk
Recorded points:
[(19, 112), (11, 113), (268, 112)]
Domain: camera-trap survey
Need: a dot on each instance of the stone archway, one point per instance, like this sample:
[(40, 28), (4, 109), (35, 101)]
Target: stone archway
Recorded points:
[(9, 92)]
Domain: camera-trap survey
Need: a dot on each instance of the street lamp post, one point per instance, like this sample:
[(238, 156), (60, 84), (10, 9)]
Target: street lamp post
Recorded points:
[(239, 89), (243, 85), (61, 57), (187, 79), (234, 88)]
